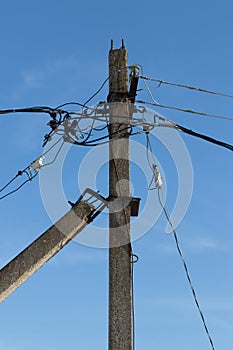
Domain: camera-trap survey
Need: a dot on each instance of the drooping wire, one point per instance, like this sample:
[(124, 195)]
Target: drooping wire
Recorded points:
[(50, 148), (163, 82), (165, 210), (28, 170), (12, 180), (149, 148), (153, 165), (84, 105), (93, 142), (49, 110), (18, 188), (190, 111), (158, 186), (72, 103), (146, 85), (87, 101), (96, 93), (101, 128), (55, 157), (149, 92)]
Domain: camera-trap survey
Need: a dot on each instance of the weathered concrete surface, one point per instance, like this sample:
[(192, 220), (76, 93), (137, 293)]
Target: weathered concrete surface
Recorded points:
[(42, 249), (120, 304)]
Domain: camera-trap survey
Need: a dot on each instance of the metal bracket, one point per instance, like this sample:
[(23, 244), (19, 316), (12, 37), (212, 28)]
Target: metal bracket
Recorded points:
[(94, 200), (98, 203)]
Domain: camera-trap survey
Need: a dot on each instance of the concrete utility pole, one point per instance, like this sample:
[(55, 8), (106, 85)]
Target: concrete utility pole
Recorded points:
[(24, 265), (120, 300)]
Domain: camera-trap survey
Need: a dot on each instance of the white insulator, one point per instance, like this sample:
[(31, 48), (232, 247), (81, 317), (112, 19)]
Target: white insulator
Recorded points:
[(157, 177), (37, 164)]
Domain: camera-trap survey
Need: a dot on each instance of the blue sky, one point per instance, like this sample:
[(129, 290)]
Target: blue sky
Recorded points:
[(56, 51)]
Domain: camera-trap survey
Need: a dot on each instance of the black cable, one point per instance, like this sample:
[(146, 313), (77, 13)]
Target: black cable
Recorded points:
[(201, 136), (56, 155), (50, 148), (186, 87), (13, 179), (186, 272), (15, 190), (39, 109), (90, 143), (190, 111), (205, 137), (102, 143), (72, 103), (149, 148), (96, 93), (25, 171), (101, 128), (181, 128), (86, 102)]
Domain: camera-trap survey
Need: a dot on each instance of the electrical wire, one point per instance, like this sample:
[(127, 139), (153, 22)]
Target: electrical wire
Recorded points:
[(96, 93), (104, 137), (55, 157), (165, 210), (101, 128), (149, 148), (205, 137), (18, 188), (38, 109), (88, 100), (105, 119), (169, 123), (27, 170), (150, 93), (20, 173), (91, 142), (8, 184), (190, 111), (163, 82), (195, 134), (72, 103), (50, 148), (140, 123)]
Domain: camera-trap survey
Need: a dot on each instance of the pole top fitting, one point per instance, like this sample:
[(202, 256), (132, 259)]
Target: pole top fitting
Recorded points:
[(122, 44)]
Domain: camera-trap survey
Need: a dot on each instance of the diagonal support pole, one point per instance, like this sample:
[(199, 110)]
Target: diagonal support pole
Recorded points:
[(24, 265)]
